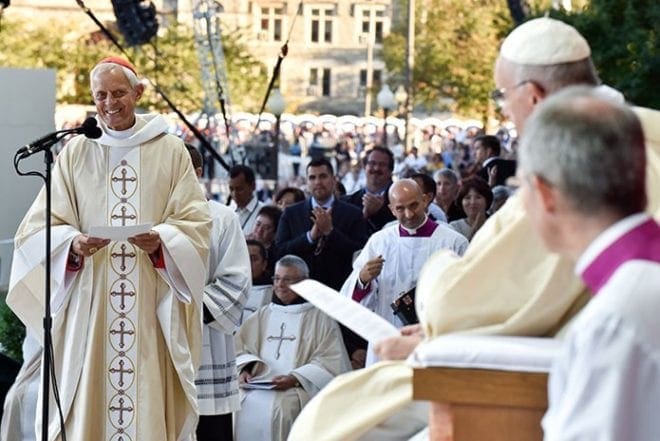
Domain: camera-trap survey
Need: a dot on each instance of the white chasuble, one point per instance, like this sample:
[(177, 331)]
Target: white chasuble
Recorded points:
[(296, 340), (126, 335), (279, 346)]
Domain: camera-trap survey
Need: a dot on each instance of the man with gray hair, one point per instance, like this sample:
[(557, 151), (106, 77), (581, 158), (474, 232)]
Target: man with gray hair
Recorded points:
[(126, 312), (286, 352), (592, 212), (483, 291)]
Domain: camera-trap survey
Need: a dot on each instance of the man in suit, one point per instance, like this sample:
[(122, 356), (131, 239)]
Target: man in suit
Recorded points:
[(325, 232), (493, 169), (372, 199), (322, 230)]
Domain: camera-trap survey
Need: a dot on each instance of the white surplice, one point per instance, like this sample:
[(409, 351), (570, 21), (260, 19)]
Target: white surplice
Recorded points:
[(225, 295), (126, 335), (404, 258), (295, 339), (605, 385)]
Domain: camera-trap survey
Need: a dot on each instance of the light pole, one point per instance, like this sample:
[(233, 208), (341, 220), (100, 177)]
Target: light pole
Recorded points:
[(410, 65), (385, 99), (276, 105), (400, 96)]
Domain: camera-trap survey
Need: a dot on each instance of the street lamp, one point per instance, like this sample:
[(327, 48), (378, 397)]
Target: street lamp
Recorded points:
[(385, 99), (400, 96), (276, 105)]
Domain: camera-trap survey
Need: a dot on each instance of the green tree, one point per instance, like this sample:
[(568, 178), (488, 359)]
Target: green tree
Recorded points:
[(624, 36), (456, 44), (12, 331), (171, 62)]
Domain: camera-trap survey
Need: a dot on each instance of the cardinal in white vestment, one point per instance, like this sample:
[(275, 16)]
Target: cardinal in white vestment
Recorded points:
[(389, 264), (287, 351), (126, 313)]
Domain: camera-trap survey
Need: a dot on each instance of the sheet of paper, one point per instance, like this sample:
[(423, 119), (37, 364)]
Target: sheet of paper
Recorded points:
[(258, 384), (118, 233), (348, 312)]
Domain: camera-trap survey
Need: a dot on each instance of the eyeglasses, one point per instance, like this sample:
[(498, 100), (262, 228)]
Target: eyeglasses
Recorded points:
[(499, 95), (285, 280)]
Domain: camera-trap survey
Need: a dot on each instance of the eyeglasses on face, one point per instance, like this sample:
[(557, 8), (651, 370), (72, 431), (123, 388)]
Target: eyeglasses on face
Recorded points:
[(285, 280), (499, 95)]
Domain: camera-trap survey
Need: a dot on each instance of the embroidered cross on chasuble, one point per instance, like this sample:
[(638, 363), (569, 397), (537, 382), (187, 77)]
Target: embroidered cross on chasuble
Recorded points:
[(281, 339), (122, 312)]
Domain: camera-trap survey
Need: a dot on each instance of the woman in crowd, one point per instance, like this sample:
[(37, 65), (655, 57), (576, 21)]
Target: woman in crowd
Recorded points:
[(475, 198), (288, 196), (447, 192)]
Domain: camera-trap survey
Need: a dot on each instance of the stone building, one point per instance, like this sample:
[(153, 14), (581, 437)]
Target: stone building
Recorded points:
[(332, 43)]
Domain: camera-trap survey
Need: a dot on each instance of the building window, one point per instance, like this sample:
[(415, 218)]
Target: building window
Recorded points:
[(321, 25), (313, 77), (270, 27), (375, 17), (375, 79), (319, 82), (326, 82)]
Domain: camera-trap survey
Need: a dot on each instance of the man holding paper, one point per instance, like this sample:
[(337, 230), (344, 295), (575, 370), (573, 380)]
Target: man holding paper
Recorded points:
[(287, 351), (126, 313), (385, 273)]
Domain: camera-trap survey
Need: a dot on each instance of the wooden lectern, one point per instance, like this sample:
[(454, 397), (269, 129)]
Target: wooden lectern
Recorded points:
[(482, 404)]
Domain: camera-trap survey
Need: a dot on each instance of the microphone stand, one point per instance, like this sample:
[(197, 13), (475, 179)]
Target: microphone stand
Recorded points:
[(47, 366), (48, 320)]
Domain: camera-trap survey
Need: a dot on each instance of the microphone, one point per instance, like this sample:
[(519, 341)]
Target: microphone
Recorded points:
[(88, 128)]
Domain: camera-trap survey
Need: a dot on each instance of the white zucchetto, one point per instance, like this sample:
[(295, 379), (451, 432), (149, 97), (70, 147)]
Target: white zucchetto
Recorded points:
[(544, 41)]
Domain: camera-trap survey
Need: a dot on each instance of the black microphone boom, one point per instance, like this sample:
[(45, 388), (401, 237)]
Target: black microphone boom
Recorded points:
[(88, 128)]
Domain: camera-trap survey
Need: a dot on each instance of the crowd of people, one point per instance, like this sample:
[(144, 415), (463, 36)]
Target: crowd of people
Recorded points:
[(192, 329)]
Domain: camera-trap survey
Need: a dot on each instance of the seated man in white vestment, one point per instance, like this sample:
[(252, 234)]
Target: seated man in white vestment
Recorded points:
[(126, 313), (605, 384), (225, 293), (388, 265), (293, 348)]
